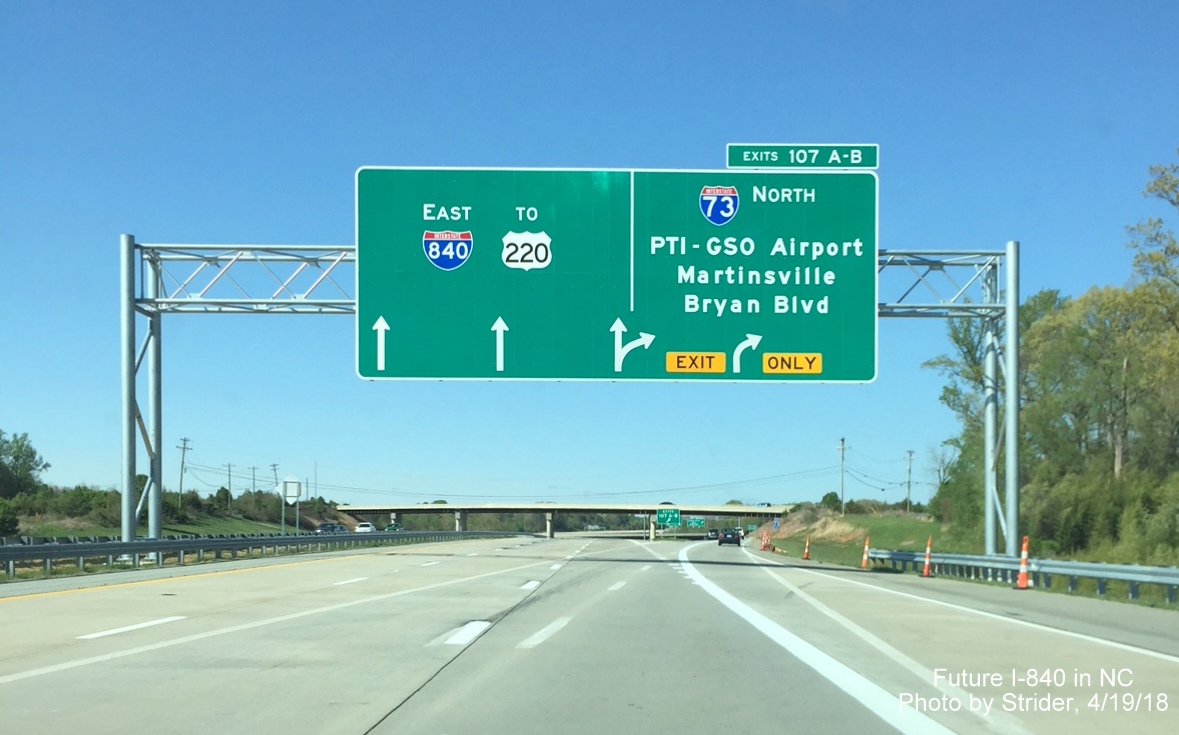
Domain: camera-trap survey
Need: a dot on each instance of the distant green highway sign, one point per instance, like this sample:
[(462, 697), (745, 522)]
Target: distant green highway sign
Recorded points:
[(695, 523), (539, 274), (668, 516)]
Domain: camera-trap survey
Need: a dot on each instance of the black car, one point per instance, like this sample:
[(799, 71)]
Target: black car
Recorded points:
[(712, 534), (729, 536), (328, 527)]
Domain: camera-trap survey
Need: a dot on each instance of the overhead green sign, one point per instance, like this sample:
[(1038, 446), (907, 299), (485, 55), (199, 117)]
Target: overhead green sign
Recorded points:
[(537, 274), (668, 516), (801, 155), (695, 523)]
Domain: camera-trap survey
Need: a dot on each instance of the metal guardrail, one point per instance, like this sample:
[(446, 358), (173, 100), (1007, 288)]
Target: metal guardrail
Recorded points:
[(157, 551), (1040, 571)]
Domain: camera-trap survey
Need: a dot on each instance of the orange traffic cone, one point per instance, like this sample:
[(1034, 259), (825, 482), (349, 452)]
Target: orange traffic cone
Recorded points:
[(864, 561), (1022, 582), (806, 550), (928, 548)]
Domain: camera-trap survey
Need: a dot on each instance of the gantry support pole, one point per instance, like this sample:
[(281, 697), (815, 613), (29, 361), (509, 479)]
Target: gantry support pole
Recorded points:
[(990, 410), (154, 439), (127, 375), (1011, 384)]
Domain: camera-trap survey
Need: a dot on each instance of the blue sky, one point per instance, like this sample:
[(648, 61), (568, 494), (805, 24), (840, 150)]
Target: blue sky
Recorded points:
[(228, 122)]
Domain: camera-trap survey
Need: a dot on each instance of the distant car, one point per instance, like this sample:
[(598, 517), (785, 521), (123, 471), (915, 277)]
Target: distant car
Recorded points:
[(667, 502), (763, 505), (393, 527), (712, 534), (729, 536), (365, 528), (740, 531), (329, 527)]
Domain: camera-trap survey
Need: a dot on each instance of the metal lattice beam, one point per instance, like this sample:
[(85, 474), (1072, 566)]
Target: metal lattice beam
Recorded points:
[(313, 279), (250, 279)]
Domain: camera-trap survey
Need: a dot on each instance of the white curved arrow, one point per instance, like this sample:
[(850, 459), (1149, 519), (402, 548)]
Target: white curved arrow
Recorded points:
[(751, 341), (620, 350), (499, 328)]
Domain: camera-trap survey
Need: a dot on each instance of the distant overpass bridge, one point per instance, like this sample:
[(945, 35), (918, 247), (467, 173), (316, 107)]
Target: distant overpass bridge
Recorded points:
[(550, 510)]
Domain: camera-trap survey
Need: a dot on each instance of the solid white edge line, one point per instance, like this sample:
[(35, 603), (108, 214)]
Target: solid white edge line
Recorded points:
[(871, 696), (1026, 623), (616, 586), (541, 635), (997, 721), (530, 584), (468, 633), (127, 628), (349, 581)]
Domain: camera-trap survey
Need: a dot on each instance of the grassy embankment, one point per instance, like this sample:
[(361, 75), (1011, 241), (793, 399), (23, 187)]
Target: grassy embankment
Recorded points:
[(839, 540), (203, 527)]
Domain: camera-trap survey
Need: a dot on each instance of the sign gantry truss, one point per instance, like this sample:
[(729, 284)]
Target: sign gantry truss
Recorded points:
[(158, 279)]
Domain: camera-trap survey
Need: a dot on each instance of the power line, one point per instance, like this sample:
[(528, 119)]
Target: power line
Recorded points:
[(862, 476), (856, 469)]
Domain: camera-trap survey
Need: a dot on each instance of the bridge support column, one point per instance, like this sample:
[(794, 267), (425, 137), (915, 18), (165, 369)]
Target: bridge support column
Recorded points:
[(651, 528), (395, 517), (548, 524), (460, 520)]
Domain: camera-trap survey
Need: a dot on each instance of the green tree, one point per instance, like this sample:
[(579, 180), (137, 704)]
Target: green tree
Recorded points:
[(1157, 252), (20, 465), (831, 501), (9, 523)]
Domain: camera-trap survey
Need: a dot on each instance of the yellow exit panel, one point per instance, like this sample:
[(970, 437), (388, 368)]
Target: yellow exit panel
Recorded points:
[(792, 363), (695, 362)]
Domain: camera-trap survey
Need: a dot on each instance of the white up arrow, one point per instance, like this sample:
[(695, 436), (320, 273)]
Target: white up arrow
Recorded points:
[(380, 327), (499, 328)]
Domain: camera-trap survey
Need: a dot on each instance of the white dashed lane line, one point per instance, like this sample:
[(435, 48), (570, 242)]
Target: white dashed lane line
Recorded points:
[(541, 635), (349, 581), (468, 633), (530, 584), (429, 563), (128, 628), (616, 586)]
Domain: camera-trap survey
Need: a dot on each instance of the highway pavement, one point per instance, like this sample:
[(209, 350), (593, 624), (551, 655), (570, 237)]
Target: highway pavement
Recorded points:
[(573, 635)]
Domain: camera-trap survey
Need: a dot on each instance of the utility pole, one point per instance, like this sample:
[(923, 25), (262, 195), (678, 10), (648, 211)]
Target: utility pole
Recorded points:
[(842, 505), (183, 451), (909, 483), (274, 467), (229, 487), (253, 479)]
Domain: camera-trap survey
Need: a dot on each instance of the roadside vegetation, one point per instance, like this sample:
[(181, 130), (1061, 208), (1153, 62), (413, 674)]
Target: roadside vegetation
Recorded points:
[(32, 508), (1099, 411)]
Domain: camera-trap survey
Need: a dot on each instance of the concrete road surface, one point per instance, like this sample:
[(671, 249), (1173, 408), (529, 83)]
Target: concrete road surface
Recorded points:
[(572, 636)]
